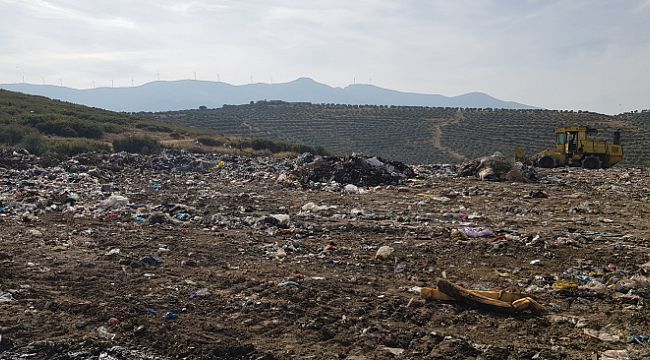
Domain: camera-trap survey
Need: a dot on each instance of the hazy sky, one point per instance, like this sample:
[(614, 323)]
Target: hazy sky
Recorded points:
[(567, 54)]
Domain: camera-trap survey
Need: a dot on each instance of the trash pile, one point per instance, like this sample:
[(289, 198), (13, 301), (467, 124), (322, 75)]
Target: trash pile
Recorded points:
[(355, 170), (169, 160), (110, 186), (497, 168), (16, 159)]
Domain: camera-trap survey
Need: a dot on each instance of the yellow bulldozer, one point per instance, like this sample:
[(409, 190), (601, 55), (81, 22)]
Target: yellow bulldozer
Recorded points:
[(576, 146)]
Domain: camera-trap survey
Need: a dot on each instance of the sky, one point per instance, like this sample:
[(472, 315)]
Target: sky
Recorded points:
[(565, 54)]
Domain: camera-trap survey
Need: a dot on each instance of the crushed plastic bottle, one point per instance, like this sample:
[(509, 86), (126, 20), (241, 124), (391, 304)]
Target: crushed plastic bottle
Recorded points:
[(103, 333)]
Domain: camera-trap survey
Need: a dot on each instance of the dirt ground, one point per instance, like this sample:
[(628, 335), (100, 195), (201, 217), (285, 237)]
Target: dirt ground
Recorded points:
[(234, 283)]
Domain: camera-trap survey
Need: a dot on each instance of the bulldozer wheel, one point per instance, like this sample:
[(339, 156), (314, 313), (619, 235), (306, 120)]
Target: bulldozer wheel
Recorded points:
[(547, 162), (592, 162)]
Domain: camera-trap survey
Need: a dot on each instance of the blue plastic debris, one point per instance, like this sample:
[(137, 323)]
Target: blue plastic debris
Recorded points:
[(639, 339), (170, 315), (183, 216), (288, 283), (150, 260)]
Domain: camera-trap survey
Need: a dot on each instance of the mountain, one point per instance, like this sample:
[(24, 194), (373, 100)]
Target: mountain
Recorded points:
[(190, 94)]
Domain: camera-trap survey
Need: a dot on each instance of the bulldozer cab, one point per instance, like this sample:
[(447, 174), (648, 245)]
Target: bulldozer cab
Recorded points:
[(568, 140)]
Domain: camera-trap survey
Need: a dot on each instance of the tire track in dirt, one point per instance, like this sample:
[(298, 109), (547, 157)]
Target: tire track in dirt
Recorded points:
[(438, 124)]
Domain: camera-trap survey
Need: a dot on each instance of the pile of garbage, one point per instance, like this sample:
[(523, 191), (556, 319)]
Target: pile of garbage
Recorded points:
[(497, 168), (356, 170), (168, 160), (16, 159)]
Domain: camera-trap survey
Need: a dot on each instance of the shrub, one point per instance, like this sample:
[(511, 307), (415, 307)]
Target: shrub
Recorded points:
[(13, 134), (74, 147), (153, 127), (64, 126), (34, 143), (91, 131), (210, 141), (137, 144)]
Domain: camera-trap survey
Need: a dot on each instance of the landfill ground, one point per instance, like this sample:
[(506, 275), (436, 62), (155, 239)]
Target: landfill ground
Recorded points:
[(235, 283)]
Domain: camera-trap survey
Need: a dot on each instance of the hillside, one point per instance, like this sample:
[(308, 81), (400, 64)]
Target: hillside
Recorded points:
[(188, 94), (414, 134), (70, 120), (56, 128)]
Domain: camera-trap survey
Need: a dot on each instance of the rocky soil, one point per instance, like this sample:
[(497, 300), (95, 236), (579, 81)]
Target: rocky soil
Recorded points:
[(183, 256)]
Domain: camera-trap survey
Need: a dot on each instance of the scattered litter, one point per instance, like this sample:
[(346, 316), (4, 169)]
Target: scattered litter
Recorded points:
[(251, 229), (349, 188), (150, 260), (312, 207), (183, 216), (6, 297), (114, 202), (384, 252), (203, 292), (538, 194), (639, 339), (614, 355), (35, 232), (281, 219), (103, 333), (170, 315), (565, 284), (392, 350), (473, 233), (113, 252), (601, 335), (575, 321), (495, 300), (288, 283)]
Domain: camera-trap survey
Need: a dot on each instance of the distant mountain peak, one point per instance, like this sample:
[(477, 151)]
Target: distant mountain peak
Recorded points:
[(190, 94), (305, 80)]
